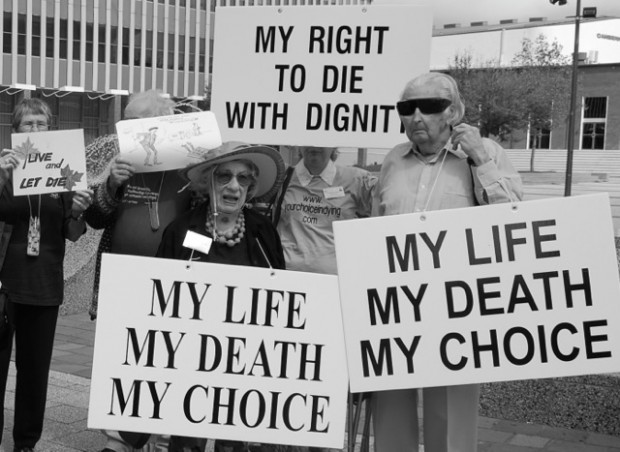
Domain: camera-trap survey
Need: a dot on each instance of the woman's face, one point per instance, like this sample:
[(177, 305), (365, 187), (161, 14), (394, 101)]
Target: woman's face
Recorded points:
[(231, 181), (33, 123)]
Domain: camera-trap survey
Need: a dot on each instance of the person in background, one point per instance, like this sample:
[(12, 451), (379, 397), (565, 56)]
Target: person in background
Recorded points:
[(134, 209), (228, 178), (32, 279), (318, 193), (444, 165)]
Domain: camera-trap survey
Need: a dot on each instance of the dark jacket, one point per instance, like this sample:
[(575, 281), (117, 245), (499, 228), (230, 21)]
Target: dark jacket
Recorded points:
[(258, 228)]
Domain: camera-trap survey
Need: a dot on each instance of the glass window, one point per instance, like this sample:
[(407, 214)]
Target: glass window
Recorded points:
[(540, 138), (595, 107), (593, 135)]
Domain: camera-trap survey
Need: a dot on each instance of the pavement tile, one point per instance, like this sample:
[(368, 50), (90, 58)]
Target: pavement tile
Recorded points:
[(494, 436), (67, 414), (565, 446), (494, 447), (486, 422), (529, 441), (603, 440)]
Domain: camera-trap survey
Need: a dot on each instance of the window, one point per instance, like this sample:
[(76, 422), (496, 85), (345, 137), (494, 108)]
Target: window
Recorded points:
[(594, 120), (540, 138), (51, 31), (7, 103)]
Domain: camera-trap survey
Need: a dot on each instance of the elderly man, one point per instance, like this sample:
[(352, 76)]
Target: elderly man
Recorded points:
[(445, 165)]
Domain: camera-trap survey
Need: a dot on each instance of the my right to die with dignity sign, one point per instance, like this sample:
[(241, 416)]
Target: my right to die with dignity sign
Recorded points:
[(491, 293)]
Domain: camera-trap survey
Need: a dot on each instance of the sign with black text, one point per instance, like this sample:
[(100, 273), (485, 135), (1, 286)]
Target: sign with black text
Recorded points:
[(218, 351), (316, 75), (50, 162), (490, 293)]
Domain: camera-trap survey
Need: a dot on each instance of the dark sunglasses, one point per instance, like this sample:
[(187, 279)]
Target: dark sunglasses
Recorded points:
[(427, 106), (224, 178)]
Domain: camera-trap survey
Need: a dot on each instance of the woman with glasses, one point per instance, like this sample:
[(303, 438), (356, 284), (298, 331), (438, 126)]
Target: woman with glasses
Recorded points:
[(228, 178), (32, 279)]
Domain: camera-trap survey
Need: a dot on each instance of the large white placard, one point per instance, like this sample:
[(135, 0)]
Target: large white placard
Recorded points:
[(218, 351), (50, 162), (316, 75), (493, 293)]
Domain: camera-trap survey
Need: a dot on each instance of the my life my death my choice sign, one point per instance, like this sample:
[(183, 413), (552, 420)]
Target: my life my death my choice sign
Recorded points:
[(491, 293)]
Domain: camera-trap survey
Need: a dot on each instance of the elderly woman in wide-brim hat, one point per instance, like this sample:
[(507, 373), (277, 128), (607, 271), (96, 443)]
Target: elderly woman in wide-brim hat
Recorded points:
[(229, 177)]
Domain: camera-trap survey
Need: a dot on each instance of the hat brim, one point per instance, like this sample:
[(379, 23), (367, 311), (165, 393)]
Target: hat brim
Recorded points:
[(268, 161)]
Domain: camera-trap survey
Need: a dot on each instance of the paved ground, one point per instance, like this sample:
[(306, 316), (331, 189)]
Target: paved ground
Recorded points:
[(66, 431)]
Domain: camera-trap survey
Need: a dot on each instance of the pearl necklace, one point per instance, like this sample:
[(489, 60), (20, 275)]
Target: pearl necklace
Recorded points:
[(230, 238)]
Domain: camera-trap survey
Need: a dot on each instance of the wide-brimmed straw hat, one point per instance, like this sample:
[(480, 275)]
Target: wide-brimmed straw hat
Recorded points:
[(268, 161)]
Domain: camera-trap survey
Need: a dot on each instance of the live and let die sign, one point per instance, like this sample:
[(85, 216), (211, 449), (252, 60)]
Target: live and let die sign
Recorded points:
[(218, 351), (494, 293), (50, 162), (312, 75)]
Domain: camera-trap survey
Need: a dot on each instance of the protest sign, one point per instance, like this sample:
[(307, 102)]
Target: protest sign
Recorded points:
[(166, 143), (50, 162), (491, 293), (218, 351), (317, 75)]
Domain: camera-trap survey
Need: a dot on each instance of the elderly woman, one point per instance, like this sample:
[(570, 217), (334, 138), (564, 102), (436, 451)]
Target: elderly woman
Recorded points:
[(32, 279), (229, 177), (133, 209)]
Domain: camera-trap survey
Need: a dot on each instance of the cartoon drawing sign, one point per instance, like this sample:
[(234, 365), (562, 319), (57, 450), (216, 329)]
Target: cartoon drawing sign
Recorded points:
[(167, 142), (51, 162)]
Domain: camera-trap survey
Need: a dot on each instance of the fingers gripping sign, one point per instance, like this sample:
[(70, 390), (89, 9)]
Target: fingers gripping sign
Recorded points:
[(120, 172), (82, 199), (8, 161), (470, 141)]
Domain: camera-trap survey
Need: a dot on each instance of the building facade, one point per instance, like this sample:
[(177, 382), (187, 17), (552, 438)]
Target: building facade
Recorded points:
[(597, 109), (86, 56)]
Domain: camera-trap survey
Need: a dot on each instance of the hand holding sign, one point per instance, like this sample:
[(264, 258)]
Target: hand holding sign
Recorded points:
[(82, 199), (120, 172), (8, 161)]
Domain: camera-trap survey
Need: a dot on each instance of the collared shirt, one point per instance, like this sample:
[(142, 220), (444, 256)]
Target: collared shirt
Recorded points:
[(305, 177), (411, 182), (311, 204)]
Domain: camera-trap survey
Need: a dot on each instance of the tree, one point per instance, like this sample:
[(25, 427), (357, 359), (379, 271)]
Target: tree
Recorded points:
[(546, 76), (488, 91), (532, 91)]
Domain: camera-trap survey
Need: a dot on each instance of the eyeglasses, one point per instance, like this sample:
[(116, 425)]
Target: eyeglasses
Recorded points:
[(427, 106), (32, 125), (224, 178)]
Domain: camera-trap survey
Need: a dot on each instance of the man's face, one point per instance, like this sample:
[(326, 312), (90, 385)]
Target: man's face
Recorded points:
[(429, 131)]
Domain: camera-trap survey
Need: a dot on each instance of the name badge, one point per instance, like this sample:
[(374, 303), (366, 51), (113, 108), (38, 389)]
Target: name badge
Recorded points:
[(333, 192), (197, 242)]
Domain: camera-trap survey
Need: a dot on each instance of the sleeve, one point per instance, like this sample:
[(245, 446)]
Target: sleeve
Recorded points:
[(102, 212), (496, 181), (267, 237), (99, 154), (69, 230), (167, 247)]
